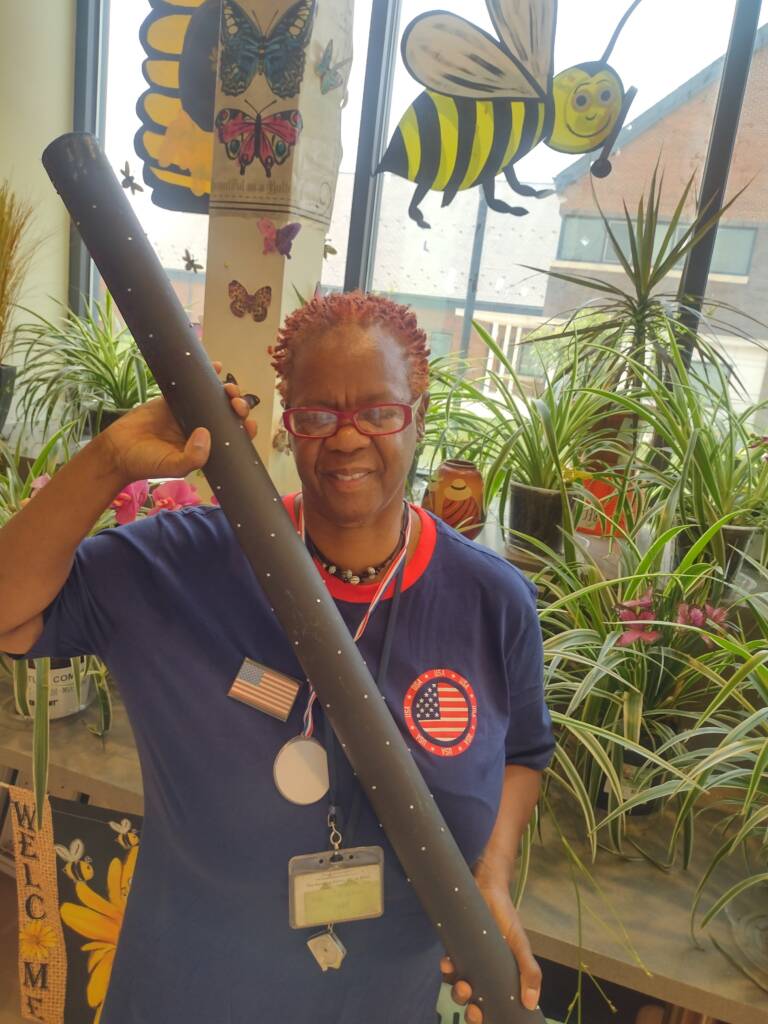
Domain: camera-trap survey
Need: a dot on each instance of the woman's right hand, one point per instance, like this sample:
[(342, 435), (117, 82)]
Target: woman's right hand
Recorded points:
[(147, 442)]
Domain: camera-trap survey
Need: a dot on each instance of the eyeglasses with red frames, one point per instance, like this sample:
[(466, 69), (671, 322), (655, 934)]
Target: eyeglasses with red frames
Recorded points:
[(372, 420)]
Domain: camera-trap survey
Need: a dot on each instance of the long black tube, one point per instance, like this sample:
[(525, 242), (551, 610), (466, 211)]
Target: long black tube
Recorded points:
[(366, 730), (733, 84)]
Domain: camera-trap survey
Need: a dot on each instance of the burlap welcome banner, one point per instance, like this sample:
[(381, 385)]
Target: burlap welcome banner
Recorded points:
[(73, 879)]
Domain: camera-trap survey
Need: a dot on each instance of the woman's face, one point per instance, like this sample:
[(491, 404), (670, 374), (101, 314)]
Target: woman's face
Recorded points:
[(351, 479)]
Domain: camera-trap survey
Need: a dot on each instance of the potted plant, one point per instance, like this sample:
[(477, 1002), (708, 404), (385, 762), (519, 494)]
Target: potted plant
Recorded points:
[(86, 369), (530, 447), (15, 255), (705, 460)]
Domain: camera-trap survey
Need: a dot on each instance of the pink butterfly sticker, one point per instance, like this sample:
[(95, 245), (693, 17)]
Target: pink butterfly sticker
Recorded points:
[(279, 240)]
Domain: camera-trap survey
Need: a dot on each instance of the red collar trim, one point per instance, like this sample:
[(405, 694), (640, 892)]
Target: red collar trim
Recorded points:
[(362, 593)]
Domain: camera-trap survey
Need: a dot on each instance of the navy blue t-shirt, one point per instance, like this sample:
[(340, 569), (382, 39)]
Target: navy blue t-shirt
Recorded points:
[(172, 607)]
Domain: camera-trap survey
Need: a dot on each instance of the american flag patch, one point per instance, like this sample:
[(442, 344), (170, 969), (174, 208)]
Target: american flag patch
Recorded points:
[(265, 689), (440, 710)]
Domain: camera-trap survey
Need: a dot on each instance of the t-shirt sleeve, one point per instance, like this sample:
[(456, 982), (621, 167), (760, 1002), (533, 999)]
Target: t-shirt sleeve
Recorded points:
[(86, 613), (530, 740), (125, 577)]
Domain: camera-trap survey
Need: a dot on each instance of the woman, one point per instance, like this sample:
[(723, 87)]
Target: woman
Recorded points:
[(172, 607)]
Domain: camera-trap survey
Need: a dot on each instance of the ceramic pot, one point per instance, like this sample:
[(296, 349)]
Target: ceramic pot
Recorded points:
[(62, 696), (455, 494), (7, 381), (736, 540), (537, 512)]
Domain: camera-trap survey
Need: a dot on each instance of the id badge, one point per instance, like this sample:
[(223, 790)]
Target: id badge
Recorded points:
[(323, 890)]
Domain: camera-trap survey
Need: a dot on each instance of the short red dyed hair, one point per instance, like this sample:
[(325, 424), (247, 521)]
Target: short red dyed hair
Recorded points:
[(325, 311)]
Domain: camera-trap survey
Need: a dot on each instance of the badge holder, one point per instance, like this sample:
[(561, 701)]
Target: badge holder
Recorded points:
[(333, 887)]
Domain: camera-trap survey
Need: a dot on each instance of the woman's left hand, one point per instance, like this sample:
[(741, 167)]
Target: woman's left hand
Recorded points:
[(503, 909)]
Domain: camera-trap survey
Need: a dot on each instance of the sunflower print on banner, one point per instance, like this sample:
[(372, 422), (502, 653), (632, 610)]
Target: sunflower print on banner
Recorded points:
[(175, 140), (73, 881)]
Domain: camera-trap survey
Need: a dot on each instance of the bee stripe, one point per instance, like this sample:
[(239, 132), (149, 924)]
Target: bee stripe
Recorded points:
[(466, 113), (409, 131), (429, 136), (517, 114), (482, 142), (531, 125), (449, 138), (502, 126)]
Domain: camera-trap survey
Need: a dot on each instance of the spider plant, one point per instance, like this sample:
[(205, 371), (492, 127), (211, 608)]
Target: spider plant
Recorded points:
[(80, 366), (634, 657)]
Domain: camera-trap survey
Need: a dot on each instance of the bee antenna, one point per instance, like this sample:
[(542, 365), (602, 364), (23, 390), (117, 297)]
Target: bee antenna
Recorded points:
[(619, 27)]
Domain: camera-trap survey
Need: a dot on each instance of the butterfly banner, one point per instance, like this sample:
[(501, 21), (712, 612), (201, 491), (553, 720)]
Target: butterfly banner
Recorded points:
[(282, 79), (72, 881), (277, 118)]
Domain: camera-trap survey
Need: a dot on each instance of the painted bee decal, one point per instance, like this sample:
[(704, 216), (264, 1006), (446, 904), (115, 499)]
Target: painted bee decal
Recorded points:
[(489, 102), (76, 866)]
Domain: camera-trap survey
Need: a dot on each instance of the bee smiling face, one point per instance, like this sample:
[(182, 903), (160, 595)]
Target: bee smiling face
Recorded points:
[(588, 100)]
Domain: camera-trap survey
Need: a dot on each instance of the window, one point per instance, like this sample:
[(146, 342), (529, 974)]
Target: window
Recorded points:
[(585, 240)]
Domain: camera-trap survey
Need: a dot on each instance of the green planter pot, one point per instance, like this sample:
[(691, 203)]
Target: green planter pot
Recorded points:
[(7, 381), (100, 419), (736, 540)]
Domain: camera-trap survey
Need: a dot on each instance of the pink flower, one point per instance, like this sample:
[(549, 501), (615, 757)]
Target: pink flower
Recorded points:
[(38, 483), (173, 495), (129, 501), (636, 621), (646, 601), (716, 615)]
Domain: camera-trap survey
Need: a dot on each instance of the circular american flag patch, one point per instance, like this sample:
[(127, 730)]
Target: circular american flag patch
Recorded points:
[(440, 710)]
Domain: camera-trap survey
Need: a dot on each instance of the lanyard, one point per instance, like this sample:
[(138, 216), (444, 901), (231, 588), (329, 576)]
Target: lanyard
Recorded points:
[(335, 821), (394, 572)]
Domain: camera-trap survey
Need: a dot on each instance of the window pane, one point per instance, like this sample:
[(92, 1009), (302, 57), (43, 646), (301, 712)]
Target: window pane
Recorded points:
[(583, 239), (733, 250)]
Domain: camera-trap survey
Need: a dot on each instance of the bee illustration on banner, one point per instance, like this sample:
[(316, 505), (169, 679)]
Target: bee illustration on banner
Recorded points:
[(242, 302), (77, 867), (489, 101), (279, 240), (330, 73), (127, 836), (277, 53), (267, 139)]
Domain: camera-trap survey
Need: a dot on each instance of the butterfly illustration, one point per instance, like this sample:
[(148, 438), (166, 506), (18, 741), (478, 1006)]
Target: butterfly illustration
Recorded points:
[(279, 240), (190, 263), (278, 53), (330, 73), (267, 139), (129, 181), (242, 302)]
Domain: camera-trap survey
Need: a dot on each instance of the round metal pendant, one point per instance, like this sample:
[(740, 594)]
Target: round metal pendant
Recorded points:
[(301, 770)]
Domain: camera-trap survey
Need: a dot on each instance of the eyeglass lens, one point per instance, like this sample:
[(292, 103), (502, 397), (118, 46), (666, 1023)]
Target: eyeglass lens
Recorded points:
[(376, 419)]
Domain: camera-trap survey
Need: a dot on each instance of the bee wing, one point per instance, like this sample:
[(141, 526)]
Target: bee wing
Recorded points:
[(527, 29), (450, 55)]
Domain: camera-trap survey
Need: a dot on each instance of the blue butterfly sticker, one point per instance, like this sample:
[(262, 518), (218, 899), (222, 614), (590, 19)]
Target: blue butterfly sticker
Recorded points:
[(330, 73), (277, 53)]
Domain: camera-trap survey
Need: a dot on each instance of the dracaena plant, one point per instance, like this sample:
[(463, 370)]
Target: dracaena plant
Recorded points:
[(79, 365), (625, 329)]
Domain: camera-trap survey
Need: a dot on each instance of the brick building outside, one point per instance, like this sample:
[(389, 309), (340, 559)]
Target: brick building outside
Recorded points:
[(675, 134)]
